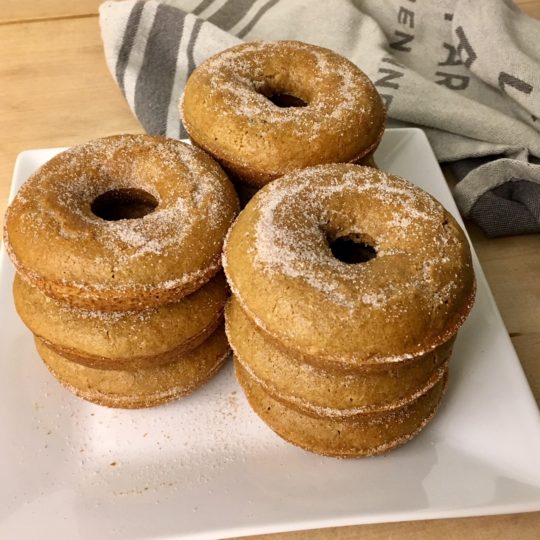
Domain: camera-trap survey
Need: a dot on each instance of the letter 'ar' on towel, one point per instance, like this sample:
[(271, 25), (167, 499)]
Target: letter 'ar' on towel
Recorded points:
[(466, 71)]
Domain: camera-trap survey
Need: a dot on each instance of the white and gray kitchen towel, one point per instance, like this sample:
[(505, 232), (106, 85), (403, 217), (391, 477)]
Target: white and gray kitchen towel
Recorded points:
[(466, 71)]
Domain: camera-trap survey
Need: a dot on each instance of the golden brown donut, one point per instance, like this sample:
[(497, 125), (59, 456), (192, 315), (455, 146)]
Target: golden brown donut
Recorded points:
[(331, 392), (122, 223), (291, 261), (122, 339), (143, 387), (263, 109), (361, 436)]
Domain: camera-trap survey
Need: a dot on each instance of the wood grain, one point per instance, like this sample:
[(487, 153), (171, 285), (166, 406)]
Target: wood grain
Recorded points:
[(56, 91), (530, 7), (59, 97), (507, 527), (14, 11)]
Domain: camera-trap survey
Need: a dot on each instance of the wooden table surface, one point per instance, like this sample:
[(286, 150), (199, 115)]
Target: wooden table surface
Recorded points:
[(55, 90)]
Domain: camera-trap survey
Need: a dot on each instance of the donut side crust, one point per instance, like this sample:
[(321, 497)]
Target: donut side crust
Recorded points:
[(135, 362), (342, 439), (113, 340), (143, 388), (324, 391)]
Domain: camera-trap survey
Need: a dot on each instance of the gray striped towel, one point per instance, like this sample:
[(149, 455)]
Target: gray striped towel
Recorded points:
[(466, 71)]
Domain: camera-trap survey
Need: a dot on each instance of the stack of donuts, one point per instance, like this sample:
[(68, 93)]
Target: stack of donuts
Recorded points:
[(117, 246), (349, 286)]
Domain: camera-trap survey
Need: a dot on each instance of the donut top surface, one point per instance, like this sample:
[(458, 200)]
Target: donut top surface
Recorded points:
[(179, 205), (228, 110), (411, 295)]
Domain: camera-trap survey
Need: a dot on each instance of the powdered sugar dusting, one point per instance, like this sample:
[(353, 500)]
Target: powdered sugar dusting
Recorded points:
[(298, 248), (191, 192), (169, 224), (245, 74)]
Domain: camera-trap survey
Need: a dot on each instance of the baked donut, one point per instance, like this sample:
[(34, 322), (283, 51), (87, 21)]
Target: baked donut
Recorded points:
[(332, 392), (263, 109), (349, 266), (122, 340), (360, 436), (144, 387), (122, 223)]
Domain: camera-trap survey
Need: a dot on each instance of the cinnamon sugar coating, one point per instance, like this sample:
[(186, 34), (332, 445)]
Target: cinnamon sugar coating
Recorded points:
[(349, 286), (228, 111), (406, 301), (61, 246)]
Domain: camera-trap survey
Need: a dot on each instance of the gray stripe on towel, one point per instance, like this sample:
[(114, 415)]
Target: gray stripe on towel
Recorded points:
[(156, 77), (255, 19), (202, 6), (230, 13), (127, 43)]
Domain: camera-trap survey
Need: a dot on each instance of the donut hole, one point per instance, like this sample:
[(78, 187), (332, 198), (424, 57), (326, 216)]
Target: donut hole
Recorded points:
[(352, 248), (126, 203), (284, 101), (282, 91)]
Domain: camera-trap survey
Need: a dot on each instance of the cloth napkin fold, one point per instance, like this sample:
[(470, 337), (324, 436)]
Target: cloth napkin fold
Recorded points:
[(466, 71)]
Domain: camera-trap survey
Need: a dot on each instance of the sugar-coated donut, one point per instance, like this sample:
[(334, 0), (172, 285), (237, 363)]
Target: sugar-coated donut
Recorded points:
[(236, 106), (121, 223), (366, 435), (409, 296), (330, 392), (143, 387), (122, 339)]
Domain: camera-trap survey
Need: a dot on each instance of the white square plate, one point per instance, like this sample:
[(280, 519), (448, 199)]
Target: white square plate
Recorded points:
[(206, 467)]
